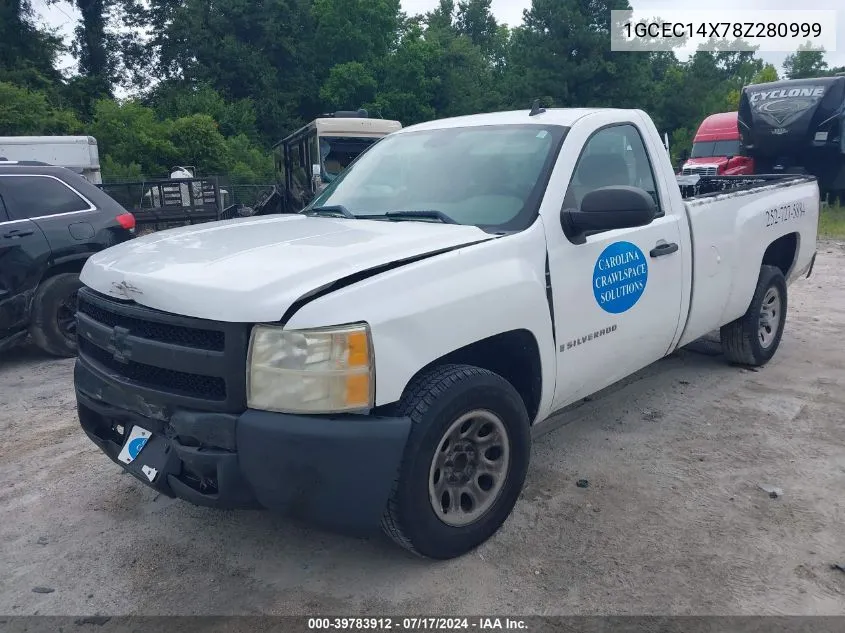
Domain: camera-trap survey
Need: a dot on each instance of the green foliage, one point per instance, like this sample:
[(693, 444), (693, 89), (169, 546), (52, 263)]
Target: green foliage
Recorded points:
[(348, 86), (130, 132), (198, 143), (116, 172), (680, 142), (27, 53), (248, 164), (832, 222), (215, 85), (93, 47), (563, 50), (26, 112), (767, 74), (354, 30), (805, 63), (245, 49), (174, 100), (136, 141)]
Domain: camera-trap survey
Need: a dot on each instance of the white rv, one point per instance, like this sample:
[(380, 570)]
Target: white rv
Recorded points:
[(77, 153), (315, 155)]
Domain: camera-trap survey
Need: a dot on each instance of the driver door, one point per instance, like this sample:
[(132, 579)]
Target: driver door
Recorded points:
[(617, 296)]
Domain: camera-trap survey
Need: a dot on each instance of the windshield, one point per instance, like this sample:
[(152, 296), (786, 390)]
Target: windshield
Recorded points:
[(338, 152), (715, 148), (489, 176)]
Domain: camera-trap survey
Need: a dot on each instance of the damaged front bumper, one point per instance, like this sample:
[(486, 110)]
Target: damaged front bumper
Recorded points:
[(335, 471)]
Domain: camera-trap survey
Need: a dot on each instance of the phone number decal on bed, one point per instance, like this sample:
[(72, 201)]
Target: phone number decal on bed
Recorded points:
[(784, 213)]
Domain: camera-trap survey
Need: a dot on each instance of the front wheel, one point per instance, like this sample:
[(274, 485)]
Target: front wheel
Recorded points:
[(754, 338), (465, 462)]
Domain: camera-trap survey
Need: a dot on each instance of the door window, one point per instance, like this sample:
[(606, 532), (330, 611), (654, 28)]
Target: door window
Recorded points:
[(37, 196), (614, 155)]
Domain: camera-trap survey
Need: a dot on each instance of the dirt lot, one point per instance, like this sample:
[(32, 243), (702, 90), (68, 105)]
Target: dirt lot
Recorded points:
[(673, 521)]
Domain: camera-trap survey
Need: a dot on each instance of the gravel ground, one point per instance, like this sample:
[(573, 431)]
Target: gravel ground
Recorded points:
[(673, 520)]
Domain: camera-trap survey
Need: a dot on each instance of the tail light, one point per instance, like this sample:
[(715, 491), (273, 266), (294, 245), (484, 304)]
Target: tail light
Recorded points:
[(126, 220)]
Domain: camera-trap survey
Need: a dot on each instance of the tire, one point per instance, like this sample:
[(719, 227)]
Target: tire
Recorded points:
[(436, 401), (747, 341), (53, 305)]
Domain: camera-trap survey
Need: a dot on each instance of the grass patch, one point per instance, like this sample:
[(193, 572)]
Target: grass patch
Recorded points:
[(832, 222)]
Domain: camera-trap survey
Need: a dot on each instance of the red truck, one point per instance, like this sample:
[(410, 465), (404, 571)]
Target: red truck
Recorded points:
[(715, 149)]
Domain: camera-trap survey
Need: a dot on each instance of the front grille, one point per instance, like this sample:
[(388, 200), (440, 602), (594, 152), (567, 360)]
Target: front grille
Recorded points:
[(700, 171), (170, 359), (166, 333), (194, 385)]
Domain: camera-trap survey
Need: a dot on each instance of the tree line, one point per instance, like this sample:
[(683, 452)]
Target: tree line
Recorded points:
[(214, 85)]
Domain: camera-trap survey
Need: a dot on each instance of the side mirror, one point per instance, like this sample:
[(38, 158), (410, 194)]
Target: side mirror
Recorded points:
[(316, 178), (608, 208)]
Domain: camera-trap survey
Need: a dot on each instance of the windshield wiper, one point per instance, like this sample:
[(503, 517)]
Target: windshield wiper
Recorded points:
[(423, 215), (335, 210)]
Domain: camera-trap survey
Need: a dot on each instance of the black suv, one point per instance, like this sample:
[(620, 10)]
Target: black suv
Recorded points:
[(51, 221)]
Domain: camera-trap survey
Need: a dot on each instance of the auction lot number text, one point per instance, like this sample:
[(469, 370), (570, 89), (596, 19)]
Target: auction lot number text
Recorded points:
[(415, 624)]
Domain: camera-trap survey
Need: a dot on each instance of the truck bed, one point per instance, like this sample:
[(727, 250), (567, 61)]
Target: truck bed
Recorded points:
[(732, 219), (695, 186)]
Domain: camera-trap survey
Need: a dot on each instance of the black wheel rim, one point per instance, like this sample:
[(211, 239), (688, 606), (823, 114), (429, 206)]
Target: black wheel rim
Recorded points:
[(66, 317)]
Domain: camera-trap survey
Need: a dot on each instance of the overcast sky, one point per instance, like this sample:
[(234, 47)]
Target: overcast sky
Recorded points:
[(63, 17)]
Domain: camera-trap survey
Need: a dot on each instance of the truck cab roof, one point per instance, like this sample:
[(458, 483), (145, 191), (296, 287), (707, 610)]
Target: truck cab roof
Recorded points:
[(564, 117), (718, 127)]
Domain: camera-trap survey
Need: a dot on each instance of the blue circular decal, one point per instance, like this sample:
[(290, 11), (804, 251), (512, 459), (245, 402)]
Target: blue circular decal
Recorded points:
[(619, 277), (135, 446)]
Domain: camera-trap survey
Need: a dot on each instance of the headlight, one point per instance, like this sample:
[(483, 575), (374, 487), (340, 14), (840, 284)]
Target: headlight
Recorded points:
[(327, 370)]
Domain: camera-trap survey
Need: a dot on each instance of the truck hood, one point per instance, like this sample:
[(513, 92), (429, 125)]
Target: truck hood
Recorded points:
[(254, 269), (706, 161)]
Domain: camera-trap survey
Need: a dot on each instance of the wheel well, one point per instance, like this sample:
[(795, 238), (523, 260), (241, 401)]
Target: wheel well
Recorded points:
[(72, 266), (781, 253), (514, 355)]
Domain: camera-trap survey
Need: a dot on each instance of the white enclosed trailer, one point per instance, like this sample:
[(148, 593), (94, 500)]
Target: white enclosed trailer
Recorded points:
[(80, 154)]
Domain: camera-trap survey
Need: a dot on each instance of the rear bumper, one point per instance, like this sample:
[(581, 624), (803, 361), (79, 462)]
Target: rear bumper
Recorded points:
[(335, 471)]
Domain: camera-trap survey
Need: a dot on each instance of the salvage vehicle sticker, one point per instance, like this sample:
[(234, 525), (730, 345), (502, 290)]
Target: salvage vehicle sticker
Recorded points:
[(134, 444), (785, 212), (620, 277)]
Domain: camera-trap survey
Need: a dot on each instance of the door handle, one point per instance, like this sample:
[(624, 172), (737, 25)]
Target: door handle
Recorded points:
[(663, 249), (17, 233)]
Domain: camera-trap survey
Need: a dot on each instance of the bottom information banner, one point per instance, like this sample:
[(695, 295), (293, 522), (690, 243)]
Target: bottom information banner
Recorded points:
[(529, 624)]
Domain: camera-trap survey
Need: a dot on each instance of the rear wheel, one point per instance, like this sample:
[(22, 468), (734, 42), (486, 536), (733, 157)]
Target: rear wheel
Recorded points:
[(754, 338), (465, 462), (53, 325)]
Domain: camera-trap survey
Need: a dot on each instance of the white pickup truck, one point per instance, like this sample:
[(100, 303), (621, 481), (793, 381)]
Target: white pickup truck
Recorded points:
[(380, 359)]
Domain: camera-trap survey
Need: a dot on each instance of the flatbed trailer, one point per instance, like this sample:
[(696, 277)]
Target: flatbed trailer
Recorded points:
[(168, 203)]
